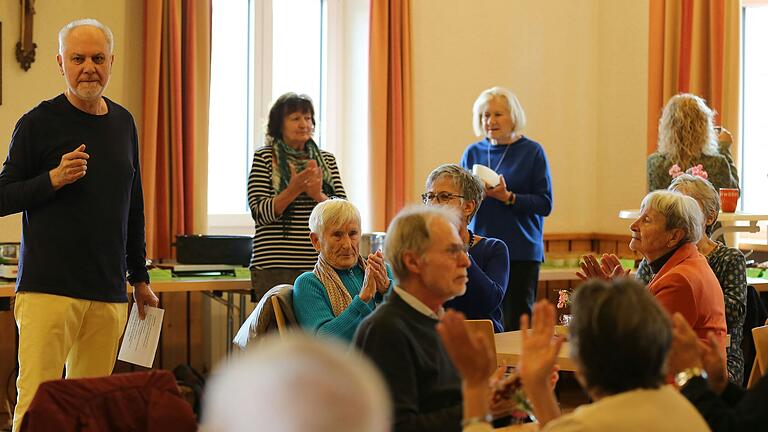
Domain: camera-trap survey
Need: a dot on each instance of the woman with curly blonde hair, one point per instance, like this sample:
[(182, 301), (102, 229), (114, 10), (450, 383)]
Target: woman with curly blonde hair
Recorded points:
[(687, 139)]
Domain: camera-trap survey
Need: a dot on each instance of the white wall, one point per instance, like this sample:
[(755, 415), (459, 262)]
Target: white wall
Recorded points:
[(579, 68), (22, 91)]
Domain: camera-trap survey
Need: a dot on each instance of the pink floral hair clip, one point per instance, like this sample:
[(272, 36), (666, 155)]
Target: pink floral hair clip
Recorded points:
[(697, 171)]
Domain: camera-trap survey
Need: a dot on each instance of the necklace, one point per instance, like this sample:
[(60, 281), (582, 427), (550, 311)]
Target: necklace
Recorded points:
[(503, 155), (471, 238)]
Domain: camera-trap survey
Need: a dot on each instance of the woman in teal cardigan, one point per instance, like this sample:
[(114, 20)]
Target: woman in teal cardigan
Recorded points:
[(344, 287)]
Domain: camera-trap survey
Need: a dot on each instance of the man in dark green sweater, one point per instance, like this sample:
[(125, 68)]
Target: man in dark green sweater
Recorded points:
[(430, 262)]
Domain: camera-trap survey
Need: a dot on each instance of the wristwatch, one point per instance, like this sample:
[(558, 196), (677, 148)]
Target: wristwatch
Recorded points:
[(682, 378), (512, 199)]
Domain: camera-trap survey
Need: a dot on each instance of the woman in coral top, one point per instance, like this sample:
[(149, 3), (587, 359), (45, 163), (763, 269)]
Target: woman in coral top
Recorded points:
[(666, 232)]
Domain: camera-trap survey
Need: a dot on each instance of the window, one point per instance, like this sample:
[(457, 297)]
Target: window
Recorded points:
[(754, 143), (260, 49)]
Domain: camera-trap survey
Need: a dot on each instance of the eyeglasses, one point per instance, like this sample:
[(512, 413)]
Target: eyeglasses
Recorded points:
[(456, 251), (442, 197)]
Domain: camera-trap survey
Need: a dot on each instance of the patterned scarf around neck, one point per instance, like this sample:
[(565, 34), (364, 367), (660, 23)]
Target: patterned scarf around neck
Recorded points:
[(337, 292), (285, 155)]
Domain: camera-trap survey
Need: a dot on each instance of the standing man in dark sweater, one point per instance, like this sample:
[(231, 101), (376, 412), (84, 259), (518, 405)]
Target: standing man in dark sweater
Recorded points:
[(430, 262), (81, 234)]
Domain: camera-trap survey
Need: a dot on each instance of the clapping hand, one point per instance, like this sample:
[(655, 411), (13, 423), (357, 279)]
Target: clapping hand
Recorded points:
[(540, 346), (369, 285), (609, 267), (471, 353), (309, 180), (375, 262)]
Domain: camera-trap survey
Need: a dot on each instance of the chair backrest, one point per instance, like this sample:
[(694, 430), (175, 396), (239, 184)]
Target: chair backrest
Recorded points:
[(282, 326), (273, 312), (760, 366), (485, 328)]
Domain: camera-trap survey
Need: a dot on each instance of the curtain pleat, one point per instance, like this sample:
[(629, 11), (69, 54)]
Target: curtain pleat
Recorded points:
[(172, 37), (390, 109)]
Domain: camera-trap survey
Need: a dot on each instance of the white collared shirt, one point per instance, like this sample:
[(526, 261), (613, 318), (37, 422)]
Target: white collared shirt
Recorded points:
[(418, 305)]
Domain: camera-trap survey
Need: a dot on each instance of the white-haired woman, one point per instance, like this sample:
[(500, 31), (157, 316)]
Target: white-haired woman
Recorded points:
[(488, 274), (515, 209), (344, 287), (727, 263), (666, 233), (688, 138)]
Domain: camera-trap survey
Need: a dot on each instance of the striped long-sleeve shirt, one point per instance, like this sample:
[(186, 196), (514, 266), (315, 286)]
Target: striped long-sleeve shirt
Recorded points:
[(280, 242)]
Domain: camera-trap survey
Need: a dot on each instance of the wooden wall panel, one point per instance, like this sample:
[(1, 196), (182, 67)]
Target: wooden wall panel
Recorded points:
[(580, 246), (558, 246), (607, 246), (175, 330)]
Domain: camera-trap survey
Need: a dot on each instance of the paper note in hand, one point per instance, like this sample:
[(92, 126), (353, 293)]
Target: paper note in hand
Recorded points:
[(141, 337)]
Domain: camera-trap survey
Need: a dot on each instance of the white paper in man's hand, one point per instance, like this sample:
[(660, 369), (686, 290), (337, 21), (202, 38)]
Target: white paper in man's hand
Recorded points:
[(141, 337)]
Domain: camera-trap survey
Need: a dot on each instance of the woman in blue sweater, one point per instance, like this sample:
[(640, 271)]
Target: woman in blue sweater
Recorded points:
[(519, 202), (344, 287), (488, 272)]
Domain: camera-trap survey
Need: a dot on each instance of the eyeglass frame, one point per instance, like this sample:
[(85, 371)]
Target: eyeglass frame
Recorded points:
[(425, 197)]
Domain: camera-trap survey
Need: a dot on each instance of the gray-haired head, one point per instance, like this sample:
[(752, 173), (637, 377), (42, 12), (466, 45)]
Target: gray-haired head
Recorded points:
[(703, 192), (680, 212), (85, 22), (298, 384), (619, 336), (335, 212), (469, 185), (409, 231), (503, 95)]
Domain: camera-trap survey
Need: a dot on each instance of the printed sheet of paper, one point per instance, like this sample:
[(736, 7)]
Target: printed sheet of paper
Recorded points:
[(141, 337)]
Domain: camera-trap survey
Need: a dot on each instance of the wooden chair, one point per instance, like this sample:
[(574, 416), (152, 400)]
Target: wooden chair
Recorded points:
[(760, 366), (282, 327), (274, 311), (485, 328)]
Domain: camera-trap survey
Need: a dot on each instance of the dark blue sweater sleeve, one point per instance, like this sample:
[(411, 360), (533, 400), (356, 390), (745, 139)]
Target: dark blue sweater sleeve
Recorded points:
[(486, 287), (539, 200), (23, 183), (135, 248)]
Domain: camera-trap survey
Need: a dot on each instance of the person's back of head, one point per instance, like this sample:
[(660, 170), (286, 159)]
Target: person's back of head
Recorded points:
[(686, 129), (294, 385), (620, 336)]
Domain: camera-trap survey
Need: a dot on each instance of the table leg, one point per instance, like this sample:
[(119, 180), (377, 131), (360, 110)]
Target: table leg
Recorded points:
[(230, 318)]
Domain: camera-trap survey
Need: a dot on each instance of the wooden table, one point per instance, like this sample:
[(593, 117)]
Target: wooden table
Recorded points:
[(187, 284), (509, 348)]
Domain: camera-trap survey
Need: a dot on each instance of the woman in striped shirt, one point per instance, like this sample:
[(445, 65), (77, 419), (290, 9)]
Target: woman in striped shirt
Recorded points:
[(289, 176)]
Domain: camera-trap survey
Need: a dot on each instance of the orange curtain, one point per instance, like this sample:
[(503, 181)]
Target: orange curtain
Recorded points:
[(390, 109), (174, 33)]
